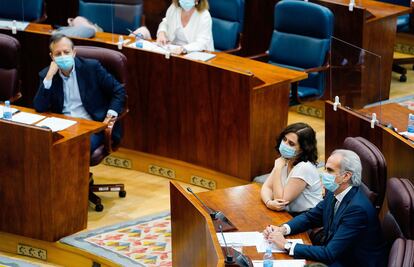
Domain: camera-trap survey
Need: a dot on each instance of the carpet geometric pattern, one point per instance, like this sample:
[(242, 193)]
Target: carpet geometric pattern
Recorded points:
[(142, 242), (408, 104), (11, 262)]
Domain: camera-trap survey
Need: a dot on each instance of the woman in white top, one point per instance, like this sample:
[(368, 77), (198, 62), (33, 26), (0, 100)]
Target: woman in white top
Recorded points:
[(294, 184), (187, 24)]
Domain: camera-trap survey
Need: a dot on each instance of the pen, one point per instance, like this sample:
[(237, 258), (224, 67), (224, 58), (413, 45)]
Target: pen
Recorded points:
[(139, 35)]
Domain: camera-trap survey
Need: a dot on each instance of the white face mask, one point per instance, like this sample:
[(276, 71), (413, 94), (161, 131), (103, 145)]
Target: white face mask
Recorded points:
[(187, 4)]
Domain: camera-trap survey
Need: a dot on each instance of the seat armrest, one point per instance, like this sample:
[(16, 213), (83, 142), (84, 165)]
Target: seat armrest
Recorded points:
[(110, 122), (231, 51), (16, 97), (318, 69), (264, 57)]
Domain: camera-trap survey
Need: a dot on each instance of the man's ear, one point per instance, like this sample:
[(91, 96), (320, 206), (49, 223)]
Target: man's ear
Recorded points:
[(50, 54), (74, 52), (347, 177)]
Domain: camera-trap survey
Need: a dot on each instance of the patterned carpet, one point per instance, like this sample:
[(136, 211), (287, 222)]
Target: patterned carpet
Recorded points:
[(11, 262), (141, 242), (408, 103)]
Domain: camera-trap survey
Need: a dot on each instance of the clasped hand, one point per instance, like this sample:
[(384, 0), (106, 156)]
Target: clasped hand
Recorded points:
[(277, 204), (275, 234)]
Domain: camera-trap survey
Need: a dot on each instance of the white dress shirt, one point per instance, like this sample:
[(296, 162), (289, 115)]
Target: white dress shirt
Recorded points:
[(72, 103), (197, 35)]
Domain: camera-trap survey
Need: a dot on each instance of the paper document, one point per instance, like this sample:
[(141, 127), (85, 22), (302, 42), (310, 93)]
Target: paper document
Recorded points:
[(245, 238), (262, 244), (56, 124), (200, 56), (408, 135), (28, 118), (282, 263), (13, 110), (8, 24), (155, 47)]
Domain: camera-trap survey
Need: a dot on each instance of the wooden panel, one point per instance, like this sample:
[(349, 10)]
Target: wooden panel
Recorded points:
[(194, 242), (379, 38), (25, 162), (44, 179), (269, 118), (69, 186), (398, 152)]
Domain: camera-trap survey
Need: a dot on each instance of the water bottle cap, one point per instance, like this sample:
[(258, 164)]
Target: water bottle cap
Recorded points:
[(7, 102)]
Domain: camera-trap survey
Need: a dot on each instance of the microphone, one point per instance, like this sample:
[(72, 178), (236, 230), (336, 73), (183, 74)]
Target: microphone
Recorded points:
[(214, 214), (218, 217), (229, 258), (237, 259)]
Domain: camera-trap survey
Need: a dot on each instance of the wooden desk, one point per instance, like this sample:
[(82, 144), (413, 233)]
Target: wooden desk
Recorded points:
[(223, 115), (398, 152), (392, 113), (194, 238), (44, 178)]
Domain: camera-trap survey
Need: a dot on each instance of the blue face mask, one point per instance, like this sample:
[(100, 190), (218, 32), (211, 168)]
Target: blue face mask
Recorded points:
[(187, 4), (328, 181), (286, 151), (65, 62)]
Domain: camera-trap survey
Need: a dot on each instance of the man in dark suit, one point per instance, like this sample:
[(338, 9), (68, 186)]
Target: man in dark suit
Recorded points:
[(351, 226), (80, 88)]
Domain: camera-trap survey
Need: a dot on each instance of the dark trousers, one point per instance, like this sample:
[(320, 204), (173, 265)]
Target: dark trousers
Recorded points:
[(97, 139)]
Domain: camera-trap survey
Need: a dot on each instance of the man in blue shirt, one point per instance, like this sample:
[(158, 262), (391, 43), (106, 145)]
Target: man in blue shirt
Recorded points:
[(352, 231), (80, 88)]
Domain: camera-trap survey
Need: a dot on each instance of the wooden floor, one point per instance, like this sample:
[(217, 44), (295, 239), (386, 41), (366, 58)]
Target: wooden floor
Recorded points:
[(148, 194)]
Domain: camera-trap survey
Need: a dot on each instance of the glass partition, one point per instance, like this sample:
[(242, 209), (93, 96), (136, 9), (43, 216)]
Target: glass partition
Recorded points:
[(356, 78)]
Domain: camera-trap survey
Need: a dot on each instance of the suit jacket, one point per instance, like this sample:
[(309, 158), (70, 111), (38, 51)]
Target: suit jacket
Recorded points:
[(353, 236), (98, 89)]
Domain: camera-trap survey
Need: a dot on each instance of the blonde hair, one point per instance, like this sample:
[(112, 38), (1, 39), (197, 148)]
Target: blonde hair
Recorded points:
[(200, 5)]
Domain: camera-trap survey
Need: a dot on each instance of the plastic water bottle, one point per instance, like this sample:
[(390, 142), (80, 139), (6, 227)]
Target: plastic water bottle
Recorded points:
[(7, 113), (268, 257), (138, 40), (410, 127)]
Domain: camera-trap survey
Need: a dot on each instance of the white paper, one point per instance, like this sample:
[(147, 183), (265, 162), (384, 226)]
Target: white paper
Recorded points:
[(28, 118), (262, 244), (13, 110), (8, 24), (154, 47), (407, 134), (200, 56), (245, 238), (282, 263), (56, 124)]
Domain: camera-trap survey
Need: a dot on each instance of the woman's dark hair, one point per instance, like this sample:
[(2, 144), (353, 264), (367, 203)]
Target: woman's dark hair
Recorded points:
[(306, 139)]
